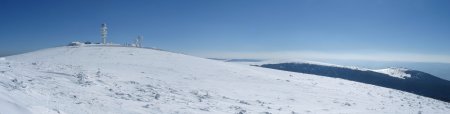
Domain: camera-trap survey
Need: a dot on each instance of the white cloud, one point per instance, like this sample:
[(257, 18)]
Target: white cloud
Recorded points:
[(398, 57)]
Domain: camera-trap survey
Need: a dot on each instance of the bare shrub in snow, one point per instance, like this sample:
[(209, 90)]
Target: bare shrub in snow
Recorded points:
[(244, 102), (82, 79), (202, 94), (17, 84)]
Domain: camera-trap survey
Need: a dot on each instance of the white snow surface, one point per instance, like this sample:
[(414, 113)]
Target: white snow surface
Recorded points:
[(126, 80), (8, 105), (395, 72)]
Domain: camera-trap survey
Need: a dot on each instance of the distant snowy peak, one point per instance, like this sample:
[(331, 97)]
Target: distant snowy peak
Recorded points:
[(395, 72)]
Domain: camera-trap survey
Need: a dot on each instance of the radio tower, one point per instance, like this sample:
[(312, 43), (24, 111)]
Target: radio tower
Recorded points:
[(104, 31), (138, 41)]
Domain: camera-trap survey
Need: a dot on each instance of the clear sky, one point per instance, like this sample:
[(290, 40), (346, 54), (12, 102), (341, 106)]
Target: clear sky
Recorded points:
[(384, 30)]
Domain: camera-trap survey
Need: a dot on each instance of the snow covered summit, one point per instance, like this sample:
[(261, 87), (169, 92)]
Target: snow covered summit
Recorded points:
[(100, 79)]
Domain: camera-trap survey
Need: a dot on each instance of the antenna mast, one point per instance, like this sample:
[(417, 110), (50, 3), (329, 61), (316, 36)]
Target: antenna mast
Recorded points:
[(140, 38), (104, 31)]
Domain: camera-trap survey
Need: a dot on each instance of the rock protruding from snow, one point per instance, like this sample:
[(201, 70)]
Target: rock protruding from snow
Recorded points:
[(395, 72)]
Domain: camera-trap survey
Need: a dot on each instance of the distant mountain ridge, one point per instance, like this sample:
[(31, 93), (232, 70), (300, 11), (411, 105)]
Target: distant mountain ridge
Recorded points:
[(412, 81), (407, 80)]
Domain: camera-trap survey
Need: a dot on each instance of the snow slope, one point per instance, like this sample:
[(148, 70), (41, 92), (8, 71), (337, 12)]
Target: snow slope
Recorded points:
[(8, 105), (111, 80)]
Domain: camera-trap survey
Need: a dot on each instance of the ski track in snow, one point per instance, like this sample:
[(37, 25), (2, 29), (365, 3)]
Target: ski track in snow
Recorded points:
[(112, 80)]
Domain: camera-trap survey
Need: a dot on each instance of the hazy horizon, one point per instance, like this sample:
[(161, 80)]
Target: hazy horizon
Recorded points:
[(441, 70)]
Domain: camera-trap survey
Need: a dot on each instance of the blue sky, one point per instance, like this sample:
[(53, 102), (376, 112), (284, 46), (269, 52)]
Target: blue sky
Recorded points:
[(377, 30)]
